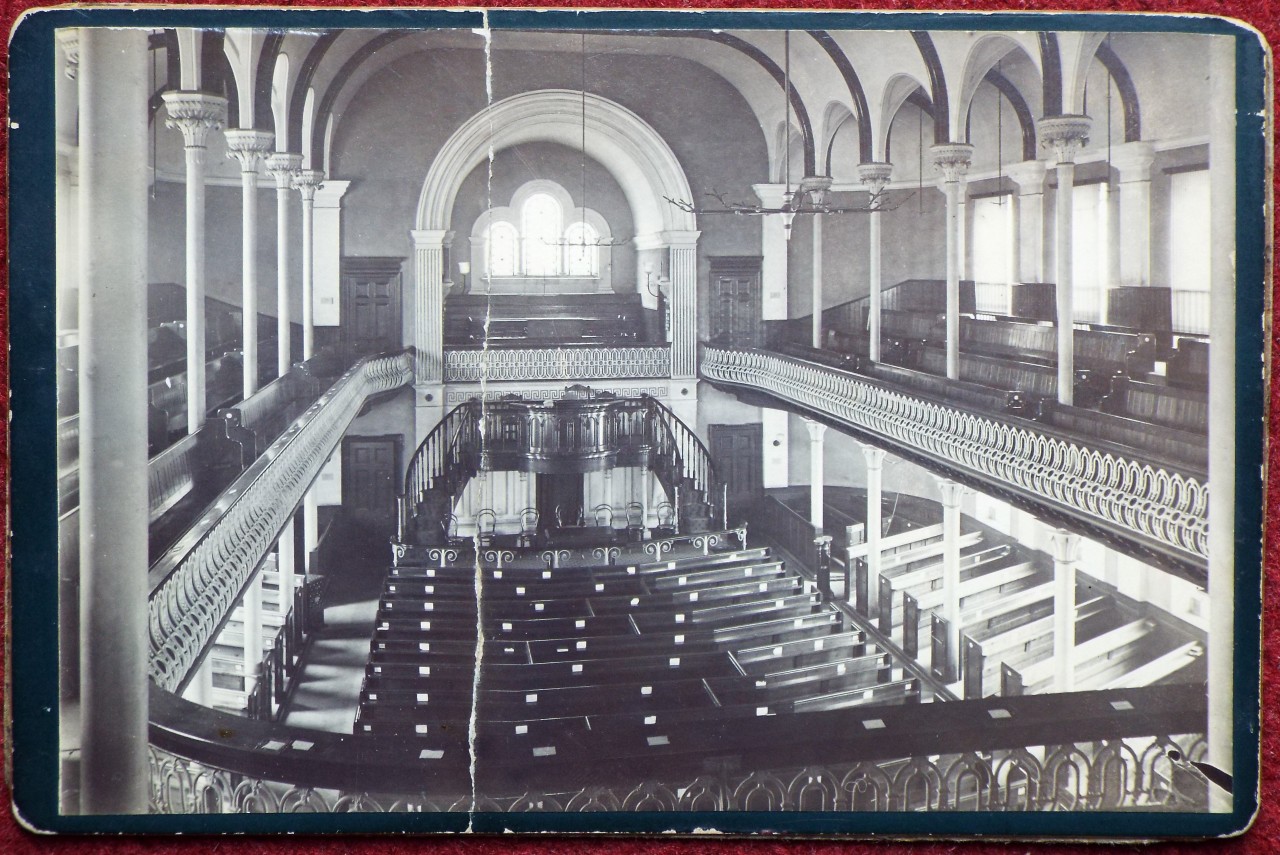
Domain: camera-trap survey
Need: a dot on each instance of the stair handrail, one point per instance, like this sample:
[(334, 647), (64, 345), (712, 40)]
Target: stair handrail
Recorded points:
[(691, 456), (196, 583)]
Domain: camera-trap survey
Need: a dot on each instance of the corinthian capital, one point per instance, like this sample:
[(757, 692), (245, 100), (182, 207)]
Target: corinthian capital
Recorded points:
[(249, 146), (1065, 135), (195, 114), (305, 181), (282, 166), (952, 160), (875, 176)]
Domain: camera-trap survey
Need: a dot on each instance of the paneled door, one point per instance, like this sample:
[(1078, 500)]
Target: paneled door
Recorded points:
[(738, 454), (735, 301), (371, 480), (371, 305)]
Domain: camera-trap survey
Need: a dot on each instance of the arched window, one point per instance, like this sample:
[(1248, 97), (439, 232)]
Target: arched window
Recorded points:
[(502, 249), (540, 227), (581, 250)]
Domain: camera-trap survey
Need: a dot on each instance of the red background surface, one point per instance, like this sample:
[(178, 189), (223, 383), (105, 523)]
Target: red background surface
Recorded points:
[(1263, 838)]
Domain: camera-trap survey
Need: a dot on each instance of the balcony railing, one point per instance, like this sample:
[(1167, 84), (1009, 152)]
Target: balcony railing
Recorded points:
[(1152, 504), (501, 364), (197, 582), (1124, 749)]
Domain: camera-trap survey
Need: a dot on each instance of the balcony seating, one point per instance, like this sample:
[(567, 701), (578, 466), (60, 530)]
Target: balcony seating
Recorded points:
[(549, 321), (1188, 366), (1164, 405)]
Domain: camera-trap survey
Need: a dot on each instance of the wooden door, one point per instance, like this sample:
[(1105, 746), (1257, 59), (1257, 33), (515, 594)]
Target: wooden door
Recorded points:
[(735, 301), (738, 454), (371, 306), (371, 480)]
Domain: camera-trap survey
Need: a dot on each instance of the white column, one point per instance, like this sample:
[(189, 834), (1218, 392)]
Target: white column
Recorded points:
[(875, 472), (817, 281), (428, 304), (1066, 551), (249, 146), (283, 166), (195, 114), (816, 480), (305, 181), (1133, 163), (875, 176), (773, 251), (951, 495), (310, 525), (952, 161), (1030, 253), (251, 616), (200, 687), (1223, 405), (1065, 135), (683, 269), (114, 72)]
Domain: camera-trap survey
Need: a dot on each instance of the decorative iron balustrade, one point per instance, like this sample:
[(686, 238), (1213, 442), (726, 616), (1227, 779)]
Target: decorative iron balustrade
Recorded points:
[(195, 585), (1151, 773), (501, 364), (1149, 501)]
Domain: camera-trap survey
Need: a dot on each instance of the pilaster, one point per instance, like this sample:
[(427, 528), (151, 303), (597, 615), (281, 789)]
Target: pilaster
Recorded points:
[(306, 182), (1133, 162), (428, 304), (683, 269), (816, 471), (1030, 178), (773, 249)]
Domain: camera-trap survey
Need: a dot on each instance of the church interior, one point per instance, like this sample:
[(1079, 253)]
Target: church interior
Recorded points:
[(617, 419)]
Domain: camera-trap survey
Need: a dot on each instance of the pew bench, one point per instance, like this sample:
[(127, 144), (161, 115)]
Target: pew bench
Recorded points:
[(1164, 405), (799, 653), (1100, 655), (986, 584)]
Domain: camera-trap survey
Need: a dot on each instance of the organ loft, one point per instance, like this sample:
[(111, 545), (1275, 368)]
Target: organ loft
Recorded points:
[(625, 420)]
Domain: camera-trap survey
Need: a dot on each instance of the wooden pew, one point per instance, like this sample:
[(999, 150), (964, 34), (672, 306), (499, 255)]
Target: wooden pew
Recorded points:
[(1168, 406), (1121, 648), (1040, 382), (799, 653), (1125, 435), (1188, 366), (574, 672), (904, 562), (924, 576), (1160, 669), (1106, 353), (254, 423), (980, 589)]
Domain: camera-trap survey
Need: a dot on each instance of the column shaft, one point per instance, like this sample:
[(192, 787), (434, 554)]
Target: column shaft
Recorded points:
[(817, 281), (113, 427), (816, 474), (197, 402), (875, 501), (1065, 547), (249, 279), (873, 294), (308, 278), (1064, 284), (284, 346), (952, 189), (251, 615)]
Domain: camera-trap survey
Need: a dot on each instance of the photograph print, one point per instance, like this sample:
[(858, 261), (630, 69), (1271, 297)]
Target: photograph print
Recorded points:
[(793, 423)]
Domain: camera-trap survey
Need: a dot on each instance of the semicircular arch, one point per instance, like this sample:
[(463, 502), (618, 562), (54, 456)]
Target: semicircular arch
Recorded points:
[(628, 147)]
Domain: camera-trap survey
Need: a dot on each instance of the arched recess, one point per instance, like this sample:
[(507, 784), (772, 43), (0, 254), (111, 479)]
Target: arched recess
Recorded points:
[(1020, 109), (982, 66), (861, 112), (898, 89), (1125, 88), (835, 118), (639, 159)]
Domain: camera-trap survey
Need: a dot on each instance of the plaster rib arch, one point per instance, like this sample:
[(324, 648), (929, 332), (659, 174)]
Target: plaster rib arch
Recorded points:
[(897, 90), (628, 147), (985, 53)]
